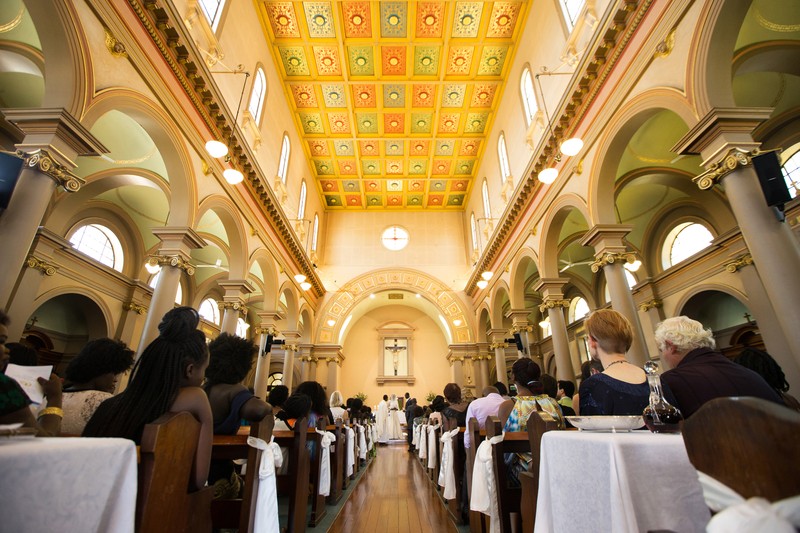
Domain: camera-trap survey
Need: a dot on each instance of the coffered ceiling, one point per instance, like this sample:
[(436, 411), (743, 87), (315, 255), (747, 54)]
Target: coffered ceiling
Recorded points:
[(393, 100)]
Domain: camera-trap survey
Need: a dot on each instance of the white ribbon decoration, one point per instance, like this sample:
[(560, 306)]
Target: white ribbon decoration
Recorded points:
[(266, 517), (350, 457), (735, 514), (324, 488), (415, 437), (362, 443), (483, 496), (447, 476), (432, 446), (423, 441)]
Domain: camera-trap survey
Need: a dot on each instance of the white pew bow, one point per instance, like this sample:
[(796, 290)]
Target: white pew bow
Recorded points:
[(432, 446), (266, 518), (351, 451), (325, 462), (483, 497), (447, 476)]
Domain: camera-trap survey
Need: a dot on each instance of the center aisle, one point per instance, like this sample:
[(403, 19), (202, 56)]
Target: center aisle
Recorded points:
[(393, 497)]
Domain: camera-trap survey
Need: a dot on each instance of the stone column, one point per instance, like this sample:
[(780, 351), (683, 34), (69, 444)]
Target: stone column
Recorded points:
[(610, 256), (53, 140), (724, 140), (233, 303), (333, 377), (482, 358), (651, 313), (291, 347), (173, 258), (520, 325), (306, 360), (499, 346), (554, 303), (266, 327), (768, 325)]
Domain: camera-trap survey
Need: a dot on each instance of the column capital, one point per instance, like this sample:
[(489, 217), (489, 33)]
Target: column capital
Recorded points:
[(178, 239), (177, 261), (136, 308), (519, 319), (607, 238), (551, 287), (655, 303), (722, 129), (609, 258), (234, 305), (553, 303), (496, 335), (331, 353), (739, 262), (44, 267), (46, 163), (56, 131), (237, 287)]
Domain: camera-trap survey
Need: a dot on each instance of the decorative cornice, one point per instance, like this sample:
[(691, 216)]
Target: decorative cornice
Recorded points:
[(136, 308), (164, 33), (496, 345), (583, 92), (236, 306), (518, 328), (42, 161), (553, 303), (175, 261), (735, 158), (739, 262), (655, 303), (45, 268), (611, 258)]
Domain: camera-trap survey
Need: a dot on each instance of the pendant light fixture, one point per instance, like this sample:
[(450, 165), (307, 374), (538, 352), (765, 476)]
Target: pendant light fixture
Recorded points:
[(217, 149), (569, 147)]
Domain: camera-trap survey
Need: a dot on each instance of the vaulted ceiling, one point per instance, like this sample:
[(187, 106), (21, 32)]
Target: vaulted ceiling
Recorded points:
[(393, 100)]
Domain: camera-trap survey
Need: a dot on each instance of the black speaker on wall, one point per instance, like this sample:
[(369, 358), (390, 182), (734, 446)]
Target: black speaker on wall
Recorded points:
[(770, 176), (10, 166), (518, 342)]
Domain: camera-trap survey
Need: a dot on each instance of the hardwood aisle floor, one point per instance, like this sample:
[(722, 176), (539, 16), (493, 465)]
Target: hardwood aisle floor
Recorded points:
[(393, 497)]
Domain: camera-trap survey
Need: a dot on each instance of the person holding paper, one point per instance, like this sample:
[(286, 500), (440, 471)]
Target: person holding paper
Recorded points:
[(14, 403)]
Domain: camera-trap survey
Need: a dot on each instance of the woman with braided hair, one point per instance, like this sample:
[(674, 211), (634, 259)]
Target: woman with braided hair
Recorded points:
[(166, 378)]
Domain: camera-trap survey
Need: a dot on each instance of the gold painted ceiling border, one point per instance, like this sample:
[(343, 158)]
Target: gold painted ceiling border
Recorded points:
[(157, 23), (617, 35)]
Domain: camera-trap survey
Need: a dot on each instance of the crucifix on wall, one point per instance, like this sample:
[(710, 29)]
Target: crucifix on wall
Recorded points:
[(396, 356)]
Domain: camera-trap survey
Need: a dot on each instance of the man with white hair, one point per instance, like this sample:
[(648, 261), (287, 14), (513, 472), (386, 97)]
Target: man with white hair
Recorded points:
[(700, 373)]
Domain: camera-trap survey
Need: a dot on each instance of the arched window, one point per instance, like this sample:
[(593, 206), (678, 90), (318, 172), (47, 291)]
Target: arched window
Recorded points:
[(274, 379), (283, 163), (683, 241), (212, 9), (502, 156), (241, 328), (258, 95), (487, 208), (791, 173), (578, 308), (474, 227), (209, 311), (571, 9), (178, 294), (301, 207), (99, 243), (528, 96), (315, 233)]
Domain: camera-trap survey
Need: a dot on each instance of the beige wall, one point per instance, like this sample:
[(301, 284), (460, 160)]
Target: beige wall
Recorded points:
[(362, 351)]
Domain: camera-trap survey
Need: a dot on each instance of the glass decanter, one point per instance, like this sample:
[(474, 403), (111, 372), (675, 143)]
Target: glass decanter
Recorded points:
[(660, 416)]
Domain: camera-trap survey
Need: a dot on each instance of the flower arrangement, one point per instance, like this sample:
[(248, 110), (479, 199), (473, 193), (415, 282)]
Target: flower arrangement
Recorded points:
[(430, 397), (361, 396)]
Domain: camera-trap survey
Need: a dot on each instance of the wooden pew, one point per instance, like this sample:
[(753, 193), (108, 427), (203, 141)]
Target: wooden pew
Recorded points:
[(295, 482), (240, 513), (508, 498), (318, 510), (538, 423), (478, 522), (337, 463), (164, 503), (459, 456)]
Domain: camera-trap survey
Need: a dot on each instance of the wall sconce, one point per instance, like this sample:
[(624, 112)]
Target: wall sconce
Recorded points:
[(217, 149)]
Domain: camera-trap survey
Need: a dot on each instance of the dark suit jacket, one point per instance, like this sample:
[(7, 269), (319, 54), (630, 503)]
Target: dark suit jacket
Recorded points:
[(704, 374)]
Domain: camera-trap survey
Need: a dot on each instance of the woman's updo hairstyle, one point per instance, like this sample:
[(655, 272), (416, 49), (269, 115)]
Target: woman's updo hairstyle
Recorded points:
[(179, 327), (527, 373)]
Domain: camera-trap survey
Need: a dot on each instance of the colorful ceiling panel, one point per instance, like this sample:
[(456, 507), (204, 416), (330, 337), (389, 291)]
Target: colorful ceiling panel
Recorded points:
[(393, 99)]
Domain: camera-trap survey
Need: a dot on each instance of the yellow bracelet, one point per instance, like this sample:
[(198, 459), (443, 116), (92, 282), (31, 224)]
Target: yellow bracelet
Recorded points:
[(57, 411)]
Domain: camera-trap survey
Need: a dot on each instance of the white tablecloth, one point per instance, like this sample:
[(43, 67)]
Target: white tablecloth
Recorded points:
[(67, 485), (620, 482)]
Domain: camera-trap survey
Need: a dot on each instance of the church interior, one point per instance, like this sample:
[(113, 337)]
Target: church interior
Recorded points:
[(389, 196)]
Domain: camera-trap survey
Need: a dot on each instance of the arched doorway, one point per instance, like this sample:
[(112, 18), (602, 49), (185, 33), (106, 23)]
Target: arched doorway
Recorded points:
[(727, 317)]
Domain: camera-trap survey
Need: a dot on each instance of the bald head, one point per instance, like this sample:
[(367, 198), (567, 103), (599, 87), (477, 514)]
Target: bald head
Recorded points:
[(488, 390)]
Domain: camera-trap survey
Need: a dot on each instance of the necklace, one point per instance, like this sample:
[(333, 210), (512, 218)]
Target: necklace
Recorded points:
[(609, 365)]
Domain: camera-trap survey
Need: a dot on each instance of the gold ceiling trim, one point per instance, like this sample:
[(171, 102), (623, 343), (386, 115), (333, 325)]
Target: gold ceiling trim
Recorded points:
[(620, 29), (13, 23), (774, 26), (169, 37)]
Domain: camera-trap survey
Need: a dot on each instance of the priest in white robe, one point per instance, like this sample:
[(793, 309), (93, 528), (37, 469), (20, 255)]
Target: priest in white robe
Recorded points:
[(382, 419)]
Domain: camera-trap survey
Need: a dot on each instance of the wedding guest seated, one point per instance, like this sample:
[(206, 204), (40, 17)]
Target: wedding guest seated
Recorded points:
[(92, 378), (277, 395), (514, 413), (338, 412), (15, 404), (566, 390), (166, 378), (621, 389), (231, 359), (588, 368), (319, 401), (481, 409), (19, 354), (699, 373), (354, 406), (550, 385), (437, 406), (768, 368), (457, 407), (502, 390), (295, 407)]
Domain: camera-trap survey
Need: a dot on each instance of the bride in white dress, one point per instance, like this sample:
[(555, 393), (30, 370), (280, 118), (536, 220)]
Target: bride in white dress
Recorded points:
[(393, 429)]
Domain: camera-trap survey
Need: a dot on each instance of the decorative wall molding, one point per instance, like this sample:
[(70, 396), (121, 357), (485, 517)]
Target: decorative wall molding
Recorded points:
[(44, 267)]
